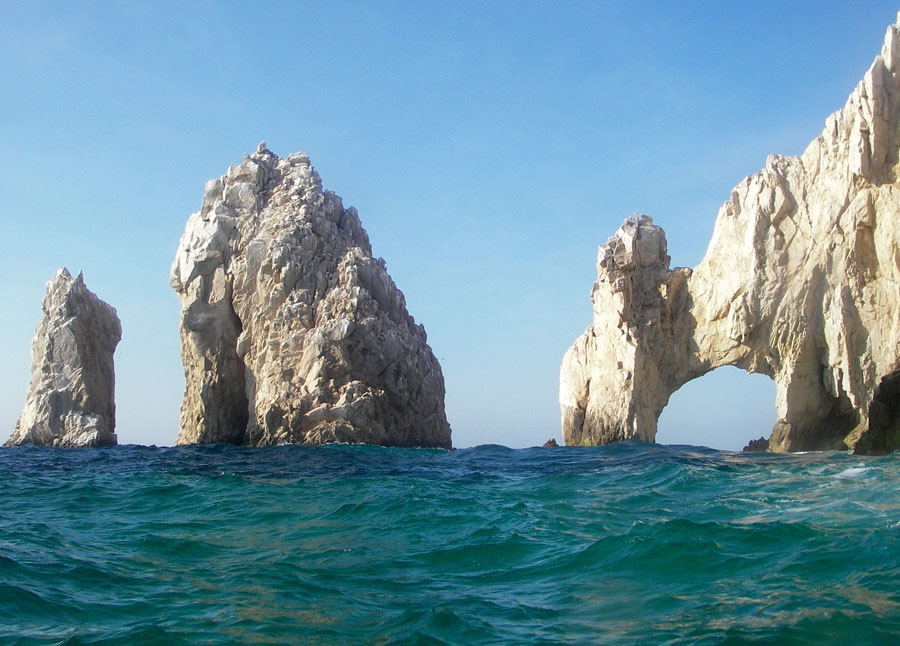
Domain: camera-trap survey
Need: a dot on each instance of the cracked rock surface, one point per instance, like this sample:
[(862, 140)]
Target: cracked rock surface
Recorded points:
[(801, 282), (71, 398), (291, 331)]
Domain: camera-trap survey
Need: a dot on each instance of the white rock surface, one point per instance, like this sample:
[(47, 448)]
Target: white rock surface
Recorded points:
[(801, 282), (291, 331), (71, 399)]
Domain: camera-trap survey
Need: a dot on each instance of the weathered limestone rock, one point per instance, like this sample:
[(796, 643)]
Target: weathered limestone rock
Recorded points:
[(291, 332), (71, 398), (801, 282), (610, 382)]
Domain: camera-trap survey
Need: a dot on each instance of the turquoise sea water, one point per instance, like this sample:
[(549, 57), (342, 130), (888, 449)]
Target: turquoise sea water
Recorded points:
[(629, 543)]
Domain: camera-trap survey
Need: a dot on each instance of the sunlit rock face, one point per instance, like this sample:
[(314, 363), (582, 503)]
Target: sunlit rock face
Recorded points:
[(71, 398), (291, 331), (801, 282)]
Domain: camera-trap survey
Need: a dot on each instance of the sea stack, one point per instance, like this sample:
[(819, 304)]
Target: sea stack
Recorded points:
[(71, 398), (291, 332), (799, 282)]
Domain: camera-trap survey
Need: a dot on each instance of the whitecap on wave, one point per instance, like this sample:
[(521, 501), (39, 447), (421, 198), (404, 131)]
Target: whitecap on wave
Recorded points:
[(853, 472)]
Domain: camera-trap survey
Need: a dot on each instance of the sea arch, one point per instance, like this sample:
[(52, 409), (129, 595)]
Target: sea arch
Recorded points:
[(799, 282), (656, 329), (723, 409)]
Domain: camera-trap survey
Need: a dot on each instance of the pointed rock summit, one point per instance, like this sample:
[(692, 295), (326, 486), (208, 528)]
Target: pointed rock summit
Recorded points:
[(71, 399), (291, 332), (799, 282)]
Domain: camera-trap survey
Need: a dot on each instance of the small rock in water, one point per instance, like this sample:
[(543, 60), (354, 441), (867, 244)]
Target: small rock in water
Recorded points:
[(550, 443), (757, 446)]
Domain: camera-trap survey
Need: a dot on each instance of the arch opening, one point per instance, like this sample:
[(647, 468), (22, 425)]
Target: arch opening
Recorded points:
[(724, 409)]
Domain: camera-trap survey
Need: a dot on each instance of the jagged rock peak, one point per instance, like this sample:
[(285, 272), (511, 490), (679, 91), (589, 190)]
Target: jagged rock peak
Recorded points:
[(291, 331), (601, 399), (799, 282), (71, 398)]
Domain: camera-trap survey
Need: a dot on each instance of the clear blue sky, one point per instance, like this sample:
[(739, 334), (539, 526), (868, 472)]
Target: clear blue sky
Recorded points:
[(489, 147)]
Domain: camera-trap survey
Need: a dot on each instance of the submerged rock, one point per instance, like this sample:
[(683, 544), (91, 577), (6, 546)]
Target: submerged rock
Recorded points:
[(71, 398), (799, 282), (291, 331)]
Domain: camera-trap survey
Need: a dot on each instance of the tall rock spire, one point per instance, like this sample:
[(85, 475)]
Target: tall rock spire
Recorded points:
[(71, 398)]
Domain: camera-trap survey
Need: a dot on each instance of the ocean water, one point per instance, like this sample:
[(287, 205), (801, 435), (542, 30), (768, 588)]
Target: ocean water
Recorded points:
[(630, 543)]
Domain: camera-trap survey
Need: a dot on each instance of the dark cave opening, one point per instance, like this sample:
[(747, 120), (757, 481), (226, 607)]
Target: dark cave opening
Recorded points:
[(883, 434)]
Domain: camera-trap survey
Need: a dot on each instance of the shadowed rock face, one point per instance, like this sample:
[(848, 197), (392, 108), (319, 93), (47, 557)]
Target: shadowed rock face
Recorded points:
[(801, 282), (71, 399), (290, 330)]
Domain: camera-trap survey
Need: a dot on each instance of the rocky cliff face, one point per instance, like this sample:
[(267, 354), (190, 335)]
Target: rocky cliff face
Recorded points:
[(291, 331), (71, 399), (801, 282)]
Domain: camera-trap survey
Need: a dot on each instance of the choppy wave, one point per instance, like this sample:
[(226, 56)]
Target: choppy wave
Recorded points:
[(356, 544)]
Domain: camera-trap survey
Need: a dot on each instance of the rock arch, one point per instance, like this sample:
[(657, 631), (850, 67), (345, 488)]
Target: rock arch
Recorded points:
[(801, 282), (722, 409)]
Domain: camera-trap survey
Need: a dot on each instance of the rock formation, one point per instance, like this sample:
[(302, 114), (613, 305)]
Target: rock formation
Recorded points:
[(71, 398), (291, 332), (757, 446), (801, 282)]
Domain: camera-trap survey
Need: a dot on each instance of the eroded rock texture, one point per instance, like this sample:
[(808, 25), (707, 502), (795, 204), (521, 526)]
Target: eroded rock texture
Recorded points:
[(71, 398), (291, 331), (801, 282)]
